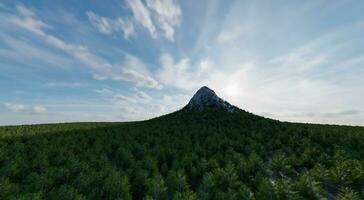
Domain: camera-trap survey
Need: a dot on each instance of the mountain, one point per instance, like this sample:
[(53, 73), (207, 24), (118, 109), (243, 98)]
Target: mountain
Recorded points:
[(209, 149), (205, 98)]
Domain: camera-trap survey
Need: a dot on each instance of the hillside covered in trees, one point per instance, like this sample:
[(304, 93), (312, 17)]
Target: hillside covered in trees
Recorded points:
[(218, 152)]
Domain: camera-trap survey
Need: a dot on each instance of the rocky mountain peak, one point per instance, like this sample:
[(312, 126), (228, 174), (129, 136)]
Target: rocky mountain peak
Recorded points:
[(207, 98)]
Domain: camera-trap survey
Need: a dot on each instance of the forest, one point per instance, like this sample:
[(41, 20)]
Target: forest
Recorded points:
[(185, 155)]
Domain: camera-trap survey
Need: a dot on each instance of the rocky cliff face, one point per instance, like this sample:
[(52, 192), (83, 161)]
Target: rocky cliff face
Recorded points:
[(207, 98)]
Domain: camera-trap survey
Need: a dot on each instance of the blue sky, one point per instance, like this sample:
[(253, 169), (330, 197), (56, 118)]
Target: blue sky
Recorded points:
[(78, 60)]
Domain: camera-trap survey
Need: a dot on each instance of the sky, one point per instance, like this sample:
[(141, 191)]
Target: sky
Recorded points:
[(115, 60)]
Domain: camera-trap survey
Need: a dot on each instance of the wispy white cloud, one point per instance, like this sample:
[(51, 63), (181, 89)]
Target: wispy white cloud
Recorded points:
[(164, 15), (136, 97), (142, 95), (133, 70), (303, 58), (183, 74), (142, 15), (139, 105), (65, 84), (104, 91), (228, 36), (20, 108), (14, 107), (101, 67), (39, 109), (168, 15), (234, 33), (30, 53), (122, 99), (109, 26), (25, 11), (101, 23), (342, 113), (28, 21), (155, 16)]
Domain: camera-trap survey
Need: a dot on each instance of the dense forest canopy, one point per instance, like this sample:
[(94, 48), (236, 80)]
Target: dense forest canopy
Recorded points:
[(189, 154)]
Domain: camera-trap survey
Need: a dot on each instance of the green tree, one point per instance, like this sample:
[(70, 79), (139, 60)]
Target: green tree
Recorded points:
[(207, 186), (155, 187), (65, 192), (176, 182), (310, 188), (7, 189), (185, 195), (348, 194), (284, 189), (116, 186), (265, 190)]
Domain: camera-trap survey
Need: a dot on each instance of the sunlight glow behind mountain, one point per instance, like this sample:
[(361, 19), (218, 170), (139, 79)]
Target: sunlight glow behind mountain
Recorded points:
[(66, 61)]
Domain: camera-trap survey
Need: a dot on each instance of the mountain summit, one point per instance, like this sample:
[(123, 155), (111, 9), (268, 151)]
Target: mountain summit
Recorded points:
[(207, 98)]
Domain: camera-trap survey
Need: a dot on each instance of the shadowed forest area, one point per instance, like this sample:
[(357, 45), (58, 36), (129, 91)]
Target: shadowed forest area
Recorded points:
[(210, 154)]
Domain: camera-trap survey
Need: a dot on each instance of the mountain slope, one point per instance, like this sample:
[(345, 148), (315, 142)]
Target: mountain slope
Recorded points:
[(203, 151)]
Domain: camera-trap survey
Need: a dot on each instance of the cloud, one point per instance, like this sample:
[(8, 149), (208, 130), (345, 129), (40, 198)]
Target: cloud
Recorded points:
[(120, 98), (140, 79), (168, 15), (24, 11), (20, 108), (228, 36), (102, 23), (349, 112), (15, 48), (164, 15), (14, 107), (142, 95), (104, 91), (28, 21), (318, 114), (65, 84), (142, 15), (155, 16), (133, 70), (138, 104), (39, 109), (183, 74), (109, 26), (302, 58), (102, 68)]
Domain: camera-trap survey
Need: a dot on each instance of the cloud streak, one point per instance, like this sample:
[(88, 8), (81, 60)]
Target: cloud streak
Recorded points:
[(102, 69), (167, 15), (14, 107), (109, 26), (20, 108), (164, 15), (137, 104), (142, 15)]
